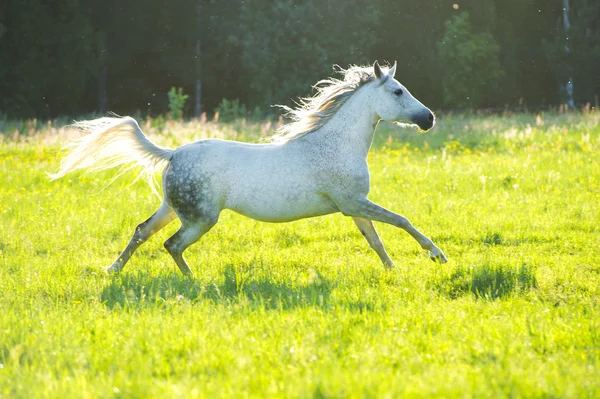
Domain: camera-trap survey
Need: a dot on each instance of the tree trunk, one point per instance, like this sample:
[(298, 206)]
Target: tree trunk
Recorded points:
[(569, 88), (102, 87), (102, 74), (198, 107)]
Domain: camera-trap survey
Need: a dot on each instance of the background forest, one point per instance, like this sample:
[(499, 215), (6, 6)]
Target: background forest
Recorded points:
[(73, 57)]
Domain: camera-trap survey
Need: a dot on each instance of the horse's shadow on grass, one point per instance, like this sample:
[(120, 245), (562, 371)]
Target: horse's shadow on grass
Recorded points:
[(487, 281), (142, 290)]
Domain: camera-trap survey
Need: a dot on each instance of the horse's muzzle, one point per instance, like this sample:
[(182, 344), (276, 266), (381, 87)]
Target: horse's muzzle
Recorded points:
[(424, 120)]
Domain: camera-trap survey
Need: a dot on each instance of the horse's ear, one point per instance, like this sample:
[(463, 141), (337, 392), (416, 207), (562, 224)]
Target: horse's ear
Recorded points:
[(377, 69), (392, 70)]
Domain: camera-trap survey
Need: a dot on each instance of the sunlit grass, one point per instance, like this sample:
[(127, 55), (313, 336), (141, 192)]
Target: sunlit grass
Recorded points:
[(305, 309)]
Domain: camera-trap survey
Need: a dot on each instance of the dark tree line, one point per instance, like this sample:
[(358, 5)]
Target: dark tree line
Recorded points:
[(79, 56)]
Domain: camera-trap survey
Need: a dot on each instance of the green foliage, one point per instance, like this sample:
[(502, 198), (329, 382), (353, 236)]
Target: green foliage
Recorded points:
[(159, 123), (176, 103), (471, 69), (305, 309), (44, 57), (257, 114), (230, 110), (287, 46), (266, 52)]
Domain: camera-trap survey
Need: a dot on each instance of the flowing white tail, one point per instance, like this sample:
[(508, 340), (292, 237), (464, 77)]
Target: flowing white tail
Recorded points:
[(114, 142)]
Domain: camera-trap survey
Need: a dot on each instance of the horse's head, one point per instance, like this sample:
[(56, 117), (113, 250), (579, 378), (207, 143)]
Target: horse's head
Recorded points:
[(393, 102)]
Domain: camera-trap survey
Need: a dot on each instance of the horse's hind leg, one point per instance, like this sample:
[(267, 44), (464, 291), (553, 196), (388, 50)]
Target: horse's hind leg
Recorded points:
[(368, 231), (145, 230), (189, 233)]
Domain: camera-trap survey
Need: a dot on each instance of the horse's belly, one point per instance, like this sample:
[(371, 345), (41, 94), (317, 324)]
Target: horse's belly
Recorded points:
[(283, 208)]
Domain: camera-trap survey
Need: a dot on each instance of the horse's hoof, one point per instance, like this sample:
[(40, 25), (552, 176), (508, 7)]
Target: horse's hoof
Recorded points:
[(438, 256)]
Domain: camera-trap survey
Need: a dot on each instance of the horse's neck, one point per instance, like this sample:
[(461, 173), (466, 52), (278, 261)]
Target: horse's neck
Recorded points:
[(350, 131)]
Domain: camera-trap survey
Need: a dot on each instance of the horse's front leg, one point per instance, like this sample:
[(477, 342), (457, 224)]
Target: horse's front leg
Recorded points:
[(363, 208), (368, 231)]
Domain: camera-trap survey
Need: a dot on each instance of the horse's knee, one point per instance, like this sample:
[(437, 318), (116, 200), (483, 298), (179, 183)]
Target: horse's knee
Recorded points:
[(403, 223), (143, 231), (138, 234)]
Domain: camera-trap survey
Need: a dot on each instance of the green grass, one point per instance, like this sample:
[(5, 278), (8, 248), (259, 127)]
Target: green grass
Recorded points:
[(305, 309)]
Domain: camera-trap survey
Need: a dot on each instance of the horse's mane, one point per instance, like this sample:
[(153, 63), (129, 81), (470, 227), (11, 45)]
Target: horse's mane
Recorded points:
[(313, 112)]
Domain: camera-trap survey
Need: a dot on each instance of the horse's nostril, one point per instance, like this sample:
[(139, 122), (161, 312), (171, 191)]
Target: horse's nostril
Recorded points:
[(430, 117)]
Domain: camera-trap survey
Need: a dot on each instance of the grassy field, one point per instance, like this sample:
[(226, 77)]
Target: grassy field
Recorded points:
[(305, 309)]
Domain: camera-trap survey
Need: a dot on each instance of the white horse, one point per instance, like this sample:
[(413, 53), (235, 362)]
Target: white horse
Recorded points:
[(316, 165)]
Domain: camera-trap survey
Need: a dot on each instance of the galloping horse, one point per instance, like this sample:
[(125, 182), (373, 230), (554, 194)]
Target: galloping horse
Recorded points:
[(315, 165)]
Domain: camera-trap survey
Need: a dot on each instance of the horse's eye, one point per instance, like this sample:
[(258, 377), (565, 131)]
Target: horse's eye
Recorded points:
[(398, 92)]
